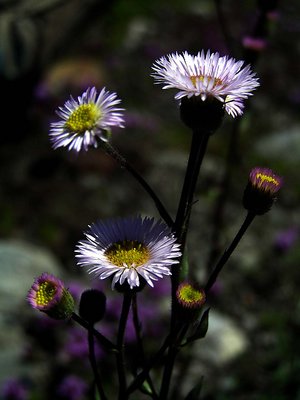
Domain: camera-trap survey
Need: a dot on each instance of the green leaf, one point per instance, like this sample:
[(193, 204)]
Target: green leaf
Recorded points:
[(194, 394), (201, 329)]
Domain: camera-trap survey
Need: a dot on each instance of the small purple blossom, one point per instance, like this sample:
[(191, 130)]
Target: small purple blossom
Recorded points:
[(72, 387), (261, 190), (86, 119), (46, 292), (14, 389), (254, 43), (265, 180), (287, 238)]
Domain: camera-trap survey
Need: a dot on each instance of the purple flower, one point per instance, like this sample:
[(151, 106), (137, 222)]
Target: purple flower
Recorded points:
[(287, 238), (261, 190), (254, 43), (48, 294), (264, 180), (84, 120), (207, 75), (128, 249), (14, 389), (76, 343), (72, 388)]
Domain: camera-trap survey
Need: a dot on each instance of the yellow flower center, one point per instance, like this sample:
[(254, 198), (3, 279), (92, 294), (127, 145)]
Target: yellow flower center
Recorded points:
[(188, 294), (195, 78), (262, 179), (129, 252), (83, 119), (45, 293)]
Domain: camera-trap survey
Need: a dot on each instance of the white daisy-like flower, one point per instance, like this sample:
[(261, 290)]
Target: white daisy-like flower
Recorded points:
[(84, 120), (127, 249), (207, 75)]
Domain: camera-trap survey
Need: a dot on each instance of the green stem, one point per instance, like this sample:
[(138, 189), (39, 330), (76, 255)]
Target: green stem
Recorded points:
[(172, 354), (107, 344), (137, 327), (120, 345), (93, 363), (110, 150), (227, 253), (197, 152), (232, 161), (143, 375)]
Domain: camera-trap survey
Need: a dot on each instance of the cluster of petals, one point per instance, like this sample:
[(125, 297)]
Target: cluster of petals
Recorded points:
[(44, 303), (108, 116), (265, 179), (207, 75), (154, 235)]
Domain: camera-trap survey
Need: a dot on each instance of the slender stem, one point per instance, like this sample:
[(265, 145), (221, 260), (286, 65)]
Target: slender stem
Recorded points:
[(224, 27), (143, 375), (172, 354), (232, 161), (93, 363), (107, 344), (227, 253), (197, 152), (110, 150), (120, 345), (137, 326)]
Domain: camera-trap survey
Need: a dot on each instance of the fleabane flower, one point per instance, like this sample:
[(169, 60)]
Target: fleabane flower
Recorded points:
[(128, 249), (86, 119), (190, 298), (208, 76), (261, 190), (48, 294)]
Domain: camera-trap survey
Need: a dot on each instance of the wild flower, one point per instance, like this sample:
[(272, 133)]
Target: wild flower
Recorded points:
[(208, 76), (128, 249), (85, 120)]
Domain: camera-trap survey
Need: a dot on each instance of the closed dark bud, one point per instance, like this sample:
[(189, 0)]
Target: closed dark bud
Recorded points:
[(202, 115), (92, 305)]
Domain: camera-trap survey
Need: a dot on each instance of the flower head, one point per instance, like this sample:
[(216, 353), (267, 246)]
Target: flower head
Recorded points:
[(72, 387), (208, 76), (14, 389), (127, 249), (190, 298), (92, 305), (84, 120), (261, 190), (48, 294)]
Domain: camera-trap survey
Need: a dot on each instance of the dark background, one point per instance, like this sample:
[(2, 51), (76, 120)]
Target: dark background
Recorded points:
[(51, 49)]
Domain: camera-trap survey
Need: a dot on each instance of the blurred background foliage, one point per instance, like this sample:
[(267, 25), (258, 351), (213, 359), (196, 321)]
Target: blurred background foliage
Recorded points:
[(50, 49)]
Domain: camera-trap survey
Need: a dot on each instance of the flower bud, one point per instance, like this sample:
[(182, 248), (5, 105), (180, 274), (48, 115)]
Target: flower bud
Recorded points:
[(92, 305), (205, 115), (190, 299), (261, 190), (49, 295)]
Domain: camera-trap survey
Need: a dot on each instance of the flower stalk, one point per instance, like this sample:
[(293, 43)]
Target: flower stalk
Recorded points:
[(227, 253), (112, 151), (93, 363), (121, 367)]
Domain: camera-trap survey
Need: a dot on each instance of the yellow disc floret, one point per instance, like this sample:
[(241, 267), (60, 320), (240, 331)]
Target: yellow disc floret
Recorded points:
[(190, 295), (195, 78), (83, 119), (264, 179), (45, 293), (128, 252)]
